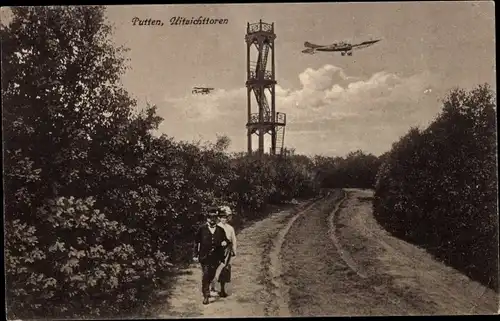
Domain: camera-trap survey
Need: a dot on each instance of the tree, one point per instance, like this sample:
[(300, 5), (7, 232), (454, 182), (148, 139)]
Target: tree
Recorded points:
[(356, 169), (438, 187), (96, 206), (61, 91), (222, 143), (74, 149)]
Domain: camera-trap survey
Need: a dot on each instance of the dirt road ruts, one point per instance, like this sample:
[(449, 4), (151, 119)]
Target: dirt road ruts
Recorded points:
[(255, 289), (353, 267), (329, 257)]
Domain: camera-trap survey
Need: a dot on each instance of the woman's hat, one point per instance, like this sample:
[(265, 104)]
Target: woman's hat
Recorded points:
[(225, 210)]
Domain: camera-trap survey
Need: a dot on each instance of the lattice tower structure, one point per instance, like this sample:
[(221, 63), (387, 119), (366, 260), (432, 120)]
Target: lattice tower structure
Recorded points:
[(261, 78)]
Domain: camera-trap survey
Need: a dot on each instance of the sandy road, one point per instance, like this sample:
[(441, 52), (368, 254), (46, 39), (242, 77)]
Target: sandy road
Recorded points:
[(354, 267), (330, 257), (255, 289)]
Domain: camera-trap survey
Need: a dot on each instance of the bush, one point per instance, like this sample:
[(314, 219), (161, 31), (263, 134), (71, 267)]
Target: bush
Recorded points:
[(438, 187), (96, 207), (356, 170), (83, 254)]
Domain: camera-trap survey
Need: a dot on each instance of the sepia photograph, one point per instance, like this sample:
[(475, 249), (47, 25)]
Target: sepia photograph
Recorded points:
[(250, 160)]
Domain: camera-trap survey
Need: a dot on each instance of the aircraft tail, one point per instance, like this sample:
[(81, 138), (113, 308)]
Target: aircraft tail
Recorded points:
[(308, 51), (310, 45)]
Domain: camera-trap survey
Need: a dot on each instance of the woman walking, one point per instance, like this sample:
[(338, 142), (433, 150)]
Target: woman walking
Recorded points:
[(223, 273)]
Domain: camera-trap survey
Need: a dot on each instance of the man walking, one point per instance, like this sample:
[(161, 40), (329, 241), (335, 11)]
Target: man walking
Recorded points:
[(210, 243), (223, 273)]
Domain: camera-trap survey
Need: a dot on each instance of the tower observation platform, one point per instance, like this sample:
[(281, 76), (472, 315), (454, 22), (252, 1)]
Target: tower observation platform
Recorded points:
[(261, 79)]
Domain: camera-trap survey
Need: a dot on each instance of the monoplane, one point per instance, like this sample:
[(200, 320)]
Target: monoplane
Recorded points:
[(202, 90), (343, 47)]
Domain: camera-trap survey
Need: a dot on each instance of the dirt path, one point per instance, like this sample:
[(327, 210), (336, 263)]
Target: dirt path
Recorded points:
[(329, 257), (339, 261), (430, 286), (255, 286)]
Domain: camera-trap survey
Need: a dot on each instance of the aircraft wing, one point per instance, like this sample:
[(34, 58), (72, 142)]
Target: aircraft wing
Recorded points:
[(364, 44), (309, 51)]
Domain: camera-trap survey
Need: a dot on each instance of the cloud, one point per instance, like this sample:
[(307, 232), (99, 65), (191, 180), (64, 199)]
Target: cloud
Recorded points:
[(330, 112)]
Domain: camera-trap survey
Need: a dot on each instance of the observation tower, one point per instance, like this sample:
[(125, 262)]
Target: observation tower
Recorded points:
[(261, 81)]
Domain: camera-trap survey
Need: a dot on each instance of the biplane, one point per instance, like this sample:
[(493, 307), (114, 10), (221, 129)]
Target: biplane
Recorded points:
[(202, 90), (344, 48)]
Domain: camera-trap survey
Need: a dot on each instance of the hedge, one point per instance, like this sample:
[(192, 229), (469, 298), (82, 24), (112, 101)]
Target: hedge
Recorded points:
[(97, 208), (438, 187)]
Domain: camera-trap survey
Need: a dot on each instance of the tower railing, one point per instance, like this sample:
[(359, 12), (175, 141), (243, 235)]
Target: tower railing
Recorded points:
[(280, 118), (267, 75), (260, 26)]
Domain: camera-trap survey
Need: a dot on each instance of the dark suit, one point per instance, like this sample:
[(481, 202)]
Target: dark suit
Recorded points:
[(210, 252)]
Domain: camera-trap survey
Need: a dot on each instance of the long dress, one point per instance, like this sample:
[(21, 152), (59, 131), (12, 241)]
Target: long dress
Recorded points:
[(225, 273), (224, 270)]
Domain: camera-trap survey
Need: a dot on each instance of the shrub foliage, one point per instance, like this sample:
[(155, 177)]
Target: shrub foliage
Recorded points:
[(438, 187), (357, 170), (96, 207)]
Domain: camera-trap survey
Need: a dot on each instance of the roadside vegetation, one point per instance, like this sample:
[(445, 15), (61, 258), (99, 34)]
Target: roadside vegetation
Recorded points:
[(355, 170), (438, 187), (97, 209)]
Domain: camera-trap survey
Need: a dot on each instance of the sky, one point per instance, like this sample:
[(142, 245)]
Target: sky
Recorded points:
[(334, 104)]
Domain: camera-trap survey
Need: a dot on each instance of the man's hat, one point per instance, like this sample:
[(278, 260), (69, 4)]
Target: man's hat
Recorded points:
[(213, 210)]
